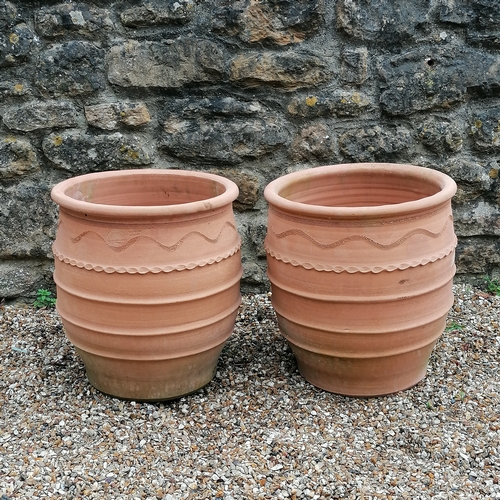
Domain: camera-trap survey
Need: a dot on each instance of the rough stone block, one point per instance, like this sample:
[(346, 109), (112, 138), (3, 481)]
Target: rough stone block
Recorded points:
[(484, 38), (41, 114), (338, 103), (382, 21), (441, 136), (9, 15), (154, 13), (314, 142), (81, 153), (14, 88), (280, 23), (247, 184), (27, 220), (221, 139), (477, 255), (257, 234), (436, 77), (484, 127), (17, 158), (109, 116), (289, 71), (224, 106), (477, 218), (152, 64), (21, 278), (473, 178), (70, 69), (221, 130), (374, 143), (15, 45), (70, 18), (354, 66), (483, 13)]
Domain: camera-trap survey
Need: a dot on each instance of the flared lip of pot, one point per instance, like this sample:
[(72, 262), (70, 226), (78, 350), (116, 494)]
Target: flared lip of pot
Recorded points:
[(60, 195), (447, 189)]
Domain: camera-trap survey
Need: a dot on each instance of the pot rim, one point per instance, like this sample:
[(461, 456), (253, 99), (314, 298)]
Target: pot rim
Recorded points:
[(59, 195), (445, 183)]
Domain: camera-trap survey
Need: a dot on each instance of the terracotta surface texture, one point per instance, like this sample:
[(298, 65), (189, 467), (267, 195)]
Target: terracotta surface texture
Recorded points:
[(147, 270), (361, 262)]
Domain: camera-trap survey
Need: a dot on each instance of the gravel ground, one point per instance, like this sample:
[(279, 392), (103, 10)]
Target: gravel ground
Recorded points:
[(258, 430)]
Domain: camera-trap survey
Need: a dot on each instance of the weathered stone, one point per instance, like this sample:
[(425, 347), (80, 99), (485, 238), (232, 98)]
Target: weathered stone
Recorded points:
[(257, 234), (477, 218), (80, 153), (477, 255), (441, 136), (382, 21), (374, 143), (224, 106), (354, 65), (456, 13), (247, 184), (473, 178), (27, 220), (436, 77), (9, 15), (490, 38), (483, 13), (153, 13), (221, 129), (222, 139), (339, 103), (253, 274), (21, 278), (289, 71), (17, 157), (14, 88), (480, 18), (151, 64), (313, 143), (109, 116), (484, 127), (280, 23), (70, 69), (71, 18), (15, 45), (41, 114)]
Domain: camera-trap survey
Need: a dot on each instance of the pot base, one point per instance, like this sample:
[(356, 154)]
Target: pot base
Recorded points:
[(148, 381), (363, 377)]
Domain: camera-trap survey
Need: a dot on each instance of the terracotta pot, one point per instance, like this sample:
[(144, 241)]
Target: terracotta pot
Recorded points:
[(147, 268), (361, 262)]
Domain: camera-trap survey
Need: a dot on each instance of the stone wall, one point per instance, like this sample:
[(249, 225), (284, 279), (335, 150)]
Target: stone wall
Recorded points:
[(250, 89)]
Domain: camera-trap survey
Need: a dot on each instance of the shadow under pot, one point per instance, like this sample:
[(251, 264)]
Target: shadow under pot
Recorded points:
[(147, 268), (361, 263)]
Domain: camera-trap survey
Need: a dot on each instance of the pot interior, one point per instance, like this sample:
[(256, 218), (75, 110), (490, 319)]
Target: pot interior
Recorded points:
[(359, 189), (146, 190)]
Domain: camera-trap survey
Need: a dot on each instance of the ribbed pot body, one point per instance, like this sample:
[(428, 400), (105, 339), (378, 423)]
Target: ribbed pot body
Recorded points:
[(147, 268), (361, 263)]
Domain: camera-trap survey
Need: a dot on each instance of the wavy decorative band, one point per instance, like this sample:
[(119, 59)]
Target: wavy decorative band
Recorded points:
[(145, 269), (120, 239), (363, 269), (359, 237), (357, 223)]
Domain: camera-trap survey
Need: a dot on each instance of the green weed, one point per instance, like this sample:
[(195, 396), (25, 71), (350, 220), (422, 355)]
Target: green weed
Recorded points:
[(493, 285), (44, 299), (453, 326)]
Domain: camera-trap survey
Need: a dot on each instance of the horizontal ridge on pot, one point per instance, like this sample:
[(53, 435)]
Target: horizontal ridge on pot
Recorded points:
[(361, 263), (147, 269)]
